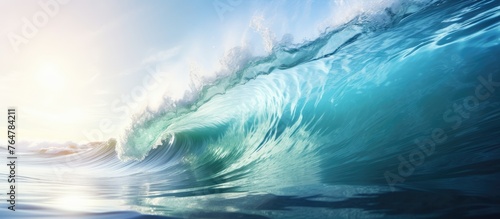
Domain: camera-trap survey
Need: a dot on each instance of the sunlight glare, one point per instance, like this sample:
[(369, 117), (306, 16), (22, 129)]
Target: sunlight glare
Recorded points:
[(51, 78), (74, 202)]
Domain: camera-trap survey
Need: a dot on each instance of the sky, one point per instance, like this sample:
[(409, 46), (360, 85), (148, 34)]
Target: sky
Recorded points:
[(78, 70)]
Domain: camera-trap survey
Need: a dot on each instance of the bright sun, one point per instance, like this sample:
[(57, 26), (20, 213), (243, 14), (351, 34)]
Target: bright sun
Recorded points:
[(55, 103), (51, 78)]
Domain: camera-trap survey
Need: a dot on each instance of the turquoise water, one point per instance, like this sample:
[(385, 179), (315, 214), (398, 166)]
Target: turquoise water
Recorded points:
[(372, 119)]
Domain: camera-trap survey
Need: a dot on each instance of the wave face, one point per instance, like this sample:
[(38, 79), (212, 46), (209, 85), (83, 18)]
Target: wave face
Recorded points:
[(398, 118)]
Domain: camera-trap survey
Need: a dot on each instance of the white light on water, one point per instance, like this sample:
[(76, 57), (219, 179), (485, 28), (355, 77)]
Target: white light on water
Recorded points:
[(50, 78), (74, 201)]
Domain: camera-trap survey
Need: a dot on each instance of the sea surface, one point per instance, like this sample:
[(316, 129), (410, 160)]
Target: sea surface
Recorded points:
[(392, 116)]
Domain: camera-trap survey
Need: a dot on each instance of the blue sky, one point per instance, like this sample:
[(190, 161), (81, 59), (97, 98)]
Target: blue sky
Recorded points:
[(87, 65)]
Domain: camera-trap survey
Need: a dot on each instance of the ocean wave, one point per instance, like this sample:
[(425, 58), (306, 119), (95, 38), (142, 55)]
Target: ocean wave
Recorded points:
[(380, 116), (149, 129)]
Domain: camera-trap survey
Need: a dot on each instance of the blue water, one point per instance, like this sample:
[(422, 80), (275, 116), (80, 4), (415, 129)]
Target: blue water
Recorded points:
[(398, 119)]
